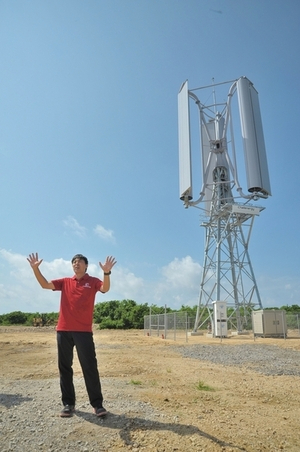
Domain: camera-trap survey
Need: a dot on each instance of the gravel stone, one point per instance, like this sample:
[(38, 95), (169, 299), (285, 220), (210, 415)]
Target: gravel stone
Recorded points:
[(29, 413), (264, 359)]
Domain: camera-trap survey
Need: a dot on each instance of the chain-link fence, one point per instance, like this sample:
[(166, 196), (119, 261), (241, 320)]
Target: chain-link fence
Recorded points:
[(177, 325), (293, 325), (172, 326)]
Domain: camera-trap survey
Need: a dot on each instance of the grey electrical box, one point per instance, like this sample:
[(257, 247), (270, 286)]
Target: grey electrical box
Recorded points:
[(269, 323)]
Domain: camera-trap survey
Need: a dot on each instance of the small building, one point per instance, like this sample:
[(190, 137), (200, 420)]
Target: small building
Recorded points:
[(269, 323)]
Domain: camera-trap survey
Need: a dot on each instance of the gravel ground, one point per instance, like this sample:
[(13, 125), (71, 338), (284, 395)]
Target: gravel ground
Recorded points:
[(30, 421), (265, 359)]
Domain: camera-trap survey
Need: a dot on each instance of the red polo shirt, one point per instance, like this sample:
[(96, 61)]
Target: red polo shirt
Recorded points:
[(77, 302)]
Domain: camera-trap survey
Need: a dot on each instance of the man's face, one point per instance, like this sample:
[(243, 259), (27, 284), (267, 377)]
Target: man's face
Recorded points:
[(79, 266)]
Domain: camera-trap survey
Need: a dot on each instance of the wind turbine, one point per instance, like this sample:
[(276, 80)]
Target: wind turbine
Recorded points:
[(227, 211)]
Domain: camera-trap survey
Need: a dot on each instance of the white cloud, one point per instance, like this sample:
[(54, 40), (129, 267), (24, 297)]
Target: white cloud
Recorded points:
[(177, 285), (106, 234), (72, 224), (180, 283), (20, 291), (125, 285), (184, 273)]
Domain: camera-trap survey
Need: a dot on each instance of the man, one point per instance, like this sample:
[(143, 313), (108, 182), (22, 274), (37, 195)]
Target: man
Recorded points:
[(74, 327)]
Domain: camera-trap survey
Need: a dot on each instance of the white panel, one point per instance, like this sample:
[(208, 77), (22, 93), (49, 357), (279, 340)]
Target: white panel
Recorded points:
[(253, 138), (185, 171), (245, 209), (257, 322), (220, 318)]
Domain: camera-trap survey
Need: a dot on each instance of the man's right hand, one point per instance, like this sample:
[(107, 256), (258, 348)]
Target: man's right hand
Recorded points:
[(34, 260)]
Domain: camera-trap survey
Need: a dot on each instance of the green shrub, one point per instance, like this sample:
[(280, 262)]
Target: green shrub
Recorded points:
[(16, 318), (125, 314)]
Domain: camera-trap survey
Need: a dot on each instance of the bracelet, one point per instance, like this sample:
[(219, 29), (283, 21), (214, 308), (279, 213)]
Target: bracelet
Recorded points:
[(107, 274)]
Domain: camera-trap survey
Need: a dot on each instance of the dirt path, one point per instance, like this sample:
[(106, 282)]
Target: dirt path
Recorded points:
[(243, 411)]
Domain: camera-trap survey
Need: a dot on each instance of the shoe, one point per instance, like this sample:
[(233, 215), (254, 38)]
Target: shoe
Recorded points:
[(100, 411), (67, 411)]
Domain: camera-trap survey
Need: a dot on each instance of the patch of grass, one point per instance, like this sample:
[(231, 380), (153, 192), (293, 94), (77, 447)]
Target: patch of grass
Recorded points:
[(135, 382), (201, 386)]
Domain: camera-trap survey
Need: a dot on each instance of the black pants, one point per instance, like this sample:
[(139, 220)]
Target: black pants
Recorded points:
[(85, 347)]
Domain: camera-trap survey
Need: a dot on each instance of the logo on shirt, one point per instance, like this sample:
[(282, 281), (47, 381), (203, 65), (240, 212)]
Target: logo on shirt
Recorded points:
[(87, 285)]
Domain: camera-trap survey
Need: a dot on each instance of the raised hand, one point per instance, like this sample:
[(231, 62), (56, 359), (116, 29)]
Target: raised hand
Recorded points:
[(108, 264), (34, 260)]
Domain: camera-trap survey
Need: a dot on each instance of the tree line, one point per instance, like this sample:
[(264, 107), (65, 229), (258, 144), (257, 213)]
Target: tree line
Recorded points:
[(114, 314)]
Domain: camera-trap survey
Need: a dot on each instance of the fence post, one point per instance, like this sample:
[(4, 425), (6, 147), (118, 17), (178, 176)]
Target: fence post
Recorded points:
[(174, 326), (284, 325), (186, 327), (165, 321)]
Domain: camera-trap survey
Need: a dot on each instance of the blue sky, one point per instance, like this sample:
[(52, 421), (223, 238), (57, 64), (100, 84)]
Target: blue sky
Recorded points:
[(89, 141)]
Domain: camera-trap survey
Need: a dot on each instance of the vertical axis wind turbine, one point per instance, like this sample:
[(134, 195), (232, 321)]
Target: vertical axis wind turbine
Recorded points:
[(228, 214)]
